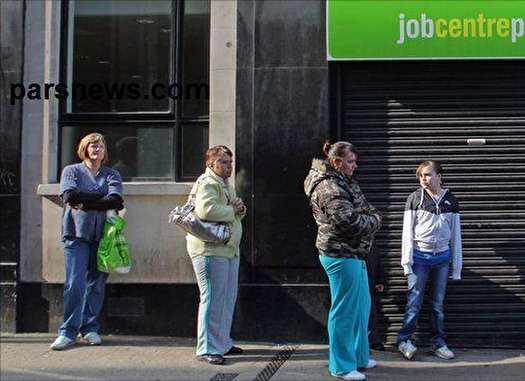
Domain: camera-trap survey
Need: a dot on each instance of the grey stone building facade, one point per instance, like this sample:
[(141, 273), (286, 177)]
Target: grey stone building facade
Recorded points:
[(274, 98)]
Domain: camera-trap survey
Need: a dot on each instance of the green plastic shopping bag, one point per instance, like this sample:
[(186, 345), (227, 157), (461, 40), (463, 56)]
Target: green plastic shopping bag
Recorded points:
[(113, 250)]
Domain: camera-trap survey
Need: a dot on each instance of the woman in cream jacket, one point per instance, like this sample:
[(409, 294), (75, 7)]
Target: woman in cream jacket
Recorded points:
[(216, 265)]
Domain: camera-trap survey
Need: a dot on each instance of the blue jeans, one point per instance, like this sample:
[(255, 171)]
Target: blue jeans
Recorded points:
[(83, 289), (417, 281)]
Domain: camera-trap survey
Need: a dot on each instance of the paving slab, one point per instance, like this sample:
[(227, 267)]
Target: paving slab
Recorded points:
[(310, 363), (28, 357)]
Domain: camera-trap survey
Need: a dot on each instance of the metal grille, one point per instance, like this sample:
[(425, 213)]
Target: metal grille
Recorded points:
[(275, 363), (399, 114)]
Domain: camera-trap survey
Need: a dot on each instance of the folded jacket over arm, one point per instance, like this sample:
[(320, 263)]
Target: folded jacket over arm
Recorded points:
[(111, 201), (93, 200), (75, 197)]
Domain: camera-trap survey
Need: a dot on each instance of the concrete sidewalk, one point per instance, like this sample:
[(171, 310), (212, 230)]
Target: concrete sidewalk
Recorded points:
[(28, 357)]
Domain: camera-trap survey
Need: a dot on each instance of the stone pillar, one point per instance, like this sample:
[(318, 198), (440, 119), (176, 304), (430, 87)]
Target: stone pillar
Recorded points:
[(223, 52)]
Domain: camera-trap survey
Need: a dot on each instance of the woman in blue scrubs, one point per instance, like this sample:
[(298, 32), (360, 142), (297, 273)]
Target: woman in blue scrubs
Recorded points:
[(88, 190)]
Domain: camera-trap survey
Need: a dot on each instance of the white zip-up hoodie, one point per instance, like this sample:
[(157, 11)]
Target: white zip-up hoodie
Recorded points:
[(433, 226)]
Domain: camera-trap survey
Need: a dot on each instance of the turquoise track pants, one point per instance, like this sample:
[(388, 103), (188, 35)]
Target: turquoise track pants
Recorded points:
[(349, 313)]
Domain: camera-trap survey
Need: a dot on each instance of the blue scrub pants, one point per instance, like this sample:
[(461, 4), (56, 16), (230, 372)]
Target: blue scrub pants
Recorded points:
[(349, 313), (83, 289)]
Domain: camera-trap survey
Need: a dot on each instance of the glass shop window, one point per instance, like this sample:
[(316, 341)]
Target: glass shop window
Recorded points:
[(137, 72)]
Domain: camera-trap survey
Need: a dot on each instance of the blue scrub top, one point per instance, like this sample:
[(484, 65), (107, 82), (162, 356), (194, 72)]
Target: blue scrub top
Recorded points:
[(87, 224)]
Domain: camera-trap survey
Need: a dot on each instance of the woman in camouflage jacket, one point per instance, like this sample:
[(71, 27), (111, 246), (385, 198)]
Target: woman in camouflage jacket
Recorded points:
[(346, 227)]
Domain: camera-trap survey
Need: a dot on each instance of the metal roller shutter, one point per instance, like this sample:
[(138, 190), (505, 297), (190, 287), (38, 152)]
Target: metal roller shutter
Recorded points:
[(399, 114)]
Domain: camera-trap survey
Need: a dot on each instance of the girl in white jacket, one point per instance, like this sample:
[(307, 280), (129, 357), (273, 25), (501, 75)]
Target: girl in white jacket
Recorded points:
[(431, 244)]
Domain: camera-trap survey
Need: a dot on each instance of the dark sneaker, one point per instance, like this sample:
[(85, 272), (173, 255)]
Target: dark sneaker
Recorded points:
[(234, 351)]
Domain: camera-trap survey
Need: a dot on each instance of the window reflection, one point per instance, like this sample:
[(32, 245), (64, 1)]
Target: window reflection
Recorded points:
[(195, 138), (136, 152), (195, 65), (113, 44), (119, 42)]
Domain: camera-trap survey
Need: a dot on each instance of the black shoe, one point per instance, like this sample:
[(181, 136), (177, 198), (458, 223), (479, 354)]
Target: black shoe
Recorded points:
[(377, 346), (234, 351), (212, 359)]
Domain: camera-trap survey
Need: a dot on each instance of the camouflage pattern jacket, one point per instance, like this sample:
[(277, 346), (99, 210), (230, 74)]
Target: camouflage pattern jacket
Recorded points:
[(346, 221)]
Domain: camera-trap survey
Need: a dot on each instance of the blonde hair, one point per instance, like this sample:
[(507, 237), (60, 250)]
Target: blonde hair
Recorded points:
[(94, 137), (429, 163)]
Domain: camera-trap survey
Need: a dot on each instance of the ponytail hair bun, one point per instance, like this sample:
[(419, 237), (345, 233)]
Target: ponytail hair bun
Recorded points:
[(338, 149), (326, 146)]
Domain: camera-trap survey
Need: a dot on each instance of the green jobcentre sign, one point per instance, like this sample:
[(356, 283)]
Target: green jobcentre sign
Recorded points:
[(431, 29)]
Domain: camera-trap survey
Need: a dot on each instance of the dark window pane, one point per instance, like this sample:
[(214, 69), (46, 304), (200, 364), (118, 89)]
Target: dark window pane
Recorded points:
[(138, 153), (195, 66), (125, 47), (118, 43), (193, 150)]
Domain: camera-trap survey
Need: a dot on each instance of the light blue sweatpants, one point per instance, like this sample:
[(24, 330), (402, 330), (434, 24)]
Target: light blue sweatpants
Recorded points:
[(349, 313), (217, 278)]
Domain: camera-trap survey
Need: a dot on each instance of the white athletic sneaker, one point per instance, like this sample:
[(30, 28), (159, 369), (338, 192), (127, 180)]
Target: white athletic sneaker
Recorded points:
[(371, 364), (61, 342), (443, 352), (407, 349), (350, 376), (92, 338)]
